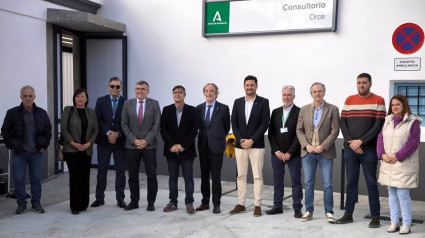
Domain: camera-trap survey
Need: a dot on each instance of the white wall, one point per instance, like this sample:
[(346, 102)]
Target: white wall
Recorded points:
[(165, 47), (23, 51)]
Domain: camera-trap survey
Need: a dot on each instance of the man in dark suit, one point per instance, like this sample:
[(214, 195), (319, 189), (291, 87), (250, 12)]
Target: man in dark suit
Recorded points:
[(214, 124), (178, 130), (250, 120), (110, 139), (317, 130), (140, 121), (285, 149)]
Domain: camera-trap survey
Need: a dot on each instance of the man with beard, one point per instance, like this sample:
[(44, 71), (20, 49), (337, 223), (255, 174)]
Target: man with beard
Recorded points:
[(361, 121), (250, 120)]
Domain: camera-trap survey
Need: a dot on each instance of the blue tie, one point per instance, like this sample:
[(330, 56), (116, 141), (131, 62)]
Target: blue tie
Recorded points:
[(114, 106), (207, 117)]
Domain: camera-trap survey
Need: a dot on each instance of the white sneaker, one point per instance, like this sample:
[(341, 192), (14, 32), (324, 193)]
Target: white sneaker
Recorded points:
[(307, 216), (393, 228), (404, 230), (330, 218)]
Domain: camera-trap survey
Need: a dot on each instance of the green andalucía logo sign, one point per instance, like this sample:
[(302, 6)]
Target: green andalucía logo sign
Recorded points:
[(217, 18)]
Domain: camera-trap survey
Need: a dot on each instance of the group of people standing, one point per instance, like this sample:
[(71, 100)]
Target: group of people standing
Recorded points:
[(303, 138)]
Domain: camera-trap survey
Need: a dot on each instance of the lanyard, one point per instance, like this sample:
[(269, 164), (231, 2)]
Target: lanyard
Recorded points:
[(285, 118)]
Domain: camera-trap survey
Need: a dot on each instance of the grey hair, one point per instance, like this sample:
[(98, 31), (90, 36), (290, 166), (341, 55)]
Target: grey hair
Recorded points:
[(290, 87), (26, 87), (215, 86), (321, 84)]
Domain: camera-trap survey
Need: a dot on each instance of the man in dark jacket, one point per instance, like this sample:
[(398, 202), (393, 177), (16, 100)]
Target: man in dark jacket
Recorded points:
[(178, 130), (285, 149), (214, 124), (111, 140), (27, 132)]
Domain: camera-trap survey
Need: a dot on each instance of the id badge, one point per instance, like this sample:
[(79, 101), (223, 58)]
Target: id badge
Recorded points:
[(283, 130)]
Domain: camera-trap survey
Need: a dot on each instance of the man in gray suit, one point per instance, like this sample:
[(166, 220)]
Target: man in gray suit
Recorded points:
[(317, 130), (140, 122)]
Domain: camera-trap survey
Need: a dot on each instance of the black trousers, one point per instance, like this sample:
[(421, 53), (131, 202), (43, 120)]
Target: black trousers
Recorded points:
[(134, 157), (211, 163), (79, 179)]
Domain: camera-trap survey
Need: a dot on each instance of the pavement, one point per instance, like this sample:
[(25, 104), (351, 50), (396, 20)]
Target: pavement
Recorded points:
[(110, 221)]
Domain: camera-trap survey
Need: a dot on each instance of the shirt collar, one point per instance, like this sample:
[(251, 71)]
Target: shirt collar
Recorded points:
[(252, 99), (213, 104), (321, 106), (289, 108)]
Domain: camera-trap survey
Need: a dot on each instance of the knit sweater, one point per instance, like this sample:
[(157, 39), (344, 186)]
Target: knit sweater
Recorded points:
[(362, 118)]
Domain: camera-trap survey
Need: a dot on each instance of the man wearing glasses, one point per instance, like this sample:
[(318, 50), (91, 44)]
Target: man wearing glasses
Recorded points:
[(317, 130), (110, 140), (179, 128), (140, 123)]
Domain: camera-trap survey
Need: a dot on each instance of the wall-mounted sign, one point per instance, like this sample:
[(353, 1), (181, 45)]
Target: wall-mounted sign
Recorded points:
[(408, 38), (407, 64), (231, 17)]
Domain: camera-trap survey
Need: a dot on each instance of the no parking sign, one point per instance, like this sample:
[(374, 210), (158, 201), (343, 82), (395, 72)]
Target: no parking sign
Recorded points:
[(408, 38)]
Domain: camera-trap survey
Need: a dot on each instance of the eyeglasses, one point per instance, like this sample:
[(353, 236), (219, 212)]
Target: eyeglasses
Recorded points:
[(115, 86)]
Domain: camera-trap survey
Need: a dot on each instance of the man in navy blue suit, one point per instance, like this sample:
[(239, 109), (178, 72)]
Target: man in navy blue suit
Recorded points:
[(214, 124), (250, 120), (111, 139)]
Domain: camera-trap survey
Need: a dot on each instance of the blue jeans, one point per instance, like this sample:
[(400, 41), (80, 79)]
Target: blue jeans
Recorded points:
[(369, 162), (310, 162), (173, 171), (400, 198), (19, 169), (294, 166)]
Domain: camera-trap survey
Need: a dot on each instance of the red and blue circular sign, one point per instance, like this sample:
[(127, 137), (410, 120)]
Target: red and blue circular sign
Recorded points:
[(408, 38)]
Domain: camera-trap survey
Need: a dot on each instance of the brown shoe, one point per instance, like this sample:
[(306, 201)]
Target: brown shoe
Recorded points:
[(238, 209), (257, 211)]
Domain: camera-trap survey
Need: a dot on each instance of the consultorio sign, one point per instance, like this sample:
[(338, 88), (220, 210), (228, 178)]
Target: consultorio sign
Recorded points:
[(223, 18)]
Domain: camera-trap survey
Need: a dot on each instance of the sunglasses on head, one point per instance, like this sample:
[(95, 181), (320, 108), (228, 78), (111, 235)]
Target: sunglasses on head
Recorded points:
[(115, 86)]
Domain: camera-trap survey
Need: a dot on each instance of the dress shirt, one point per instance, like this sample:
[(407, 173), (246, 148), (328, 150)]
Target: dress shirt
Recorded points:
[(138, 105), (317, 114), (286, 114), (211, 110), (248, 108), (179, 112)]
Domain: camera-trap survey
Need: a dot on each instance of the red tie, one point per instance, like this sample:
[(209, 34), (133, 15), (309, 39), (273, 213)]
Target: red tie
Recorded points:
[(140, 116)]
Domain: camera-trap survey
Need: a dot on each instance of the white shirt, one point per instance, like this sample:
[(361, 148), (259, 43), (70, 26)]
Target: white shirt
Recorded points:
[(248, 108)]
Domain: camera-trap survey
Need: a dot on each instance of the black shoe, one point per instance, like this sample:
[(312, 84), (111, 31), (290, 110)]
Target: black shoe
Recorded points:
[(298, 213), (131, 206), (203, 207), (75, 212), (216, 210), (98, 203), (345, 219), (37, 208), (375, 223), (121, 204), (21, 209), (274, 210), (150, 208)]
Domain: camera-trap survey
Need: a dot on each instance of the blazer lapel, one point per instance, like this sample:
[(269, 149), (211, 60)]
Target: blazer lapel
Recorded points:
[(215, 111)]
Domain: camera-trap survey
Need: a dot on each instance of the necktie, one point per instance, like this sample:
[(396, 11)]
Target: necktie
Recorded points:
[(207, 117), (140, 115), (114, 106)]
